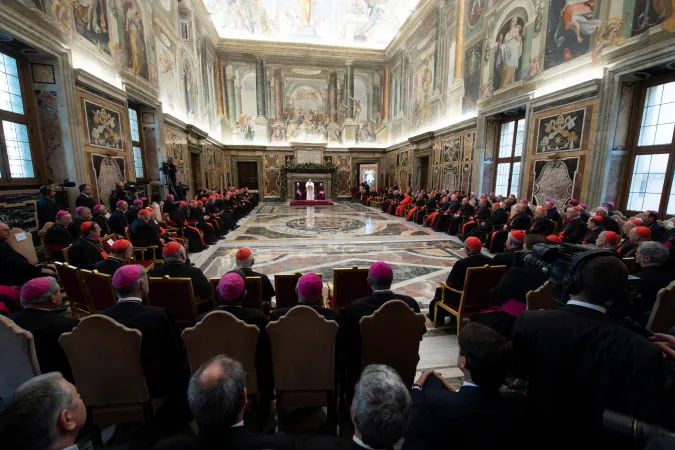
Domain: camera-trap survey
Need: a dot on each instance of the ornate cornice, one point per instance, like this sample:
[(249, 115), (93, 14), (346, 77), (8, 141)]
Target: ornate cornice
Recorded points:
[(410, 26), (86, 80), (171, 121)]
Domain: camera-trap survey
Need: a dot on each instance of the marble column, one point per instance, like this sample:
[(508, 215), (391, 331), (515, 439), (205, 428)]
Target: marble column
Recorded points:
[(437, 48), (332, 97), (386, 94), (231, 106), (350, 126), (237, 96), (278, 95), (459, 46), (219, 88), (376, 98), (369, 113), (260, 87)]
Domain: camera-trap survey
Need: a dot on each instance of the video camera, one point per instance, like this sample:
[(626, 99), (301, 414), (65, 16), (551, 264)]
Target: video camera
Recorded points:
[(131, 187), (627, 428)]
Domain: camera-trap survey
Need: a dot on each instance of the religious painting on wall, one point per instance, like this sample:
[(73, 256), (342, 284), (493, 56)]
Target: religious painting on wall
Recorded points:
[(561, 132), (554, 180), (451, 178), (108, 170), (474, 11), (91, 20), (466, 178), (203, 61), (306, 116), (648, 13), (472, 67), (508, 60), (166, 62), (468, 146), (328, 161), (451, 150), (404, 159), (134, 39), (188, 88), (104, 126), (571, 25), (289, 159)]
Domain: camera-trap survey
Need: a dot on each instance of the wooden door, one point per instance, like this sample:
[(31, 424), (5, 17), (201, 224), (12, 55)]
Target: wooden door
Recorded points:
[(247, 172)]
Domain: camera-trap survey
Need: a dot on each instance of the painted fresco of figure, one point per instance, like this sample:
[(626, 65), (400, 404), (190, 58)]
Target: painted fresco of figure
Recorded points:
[(571, 24), (305, 12), (188, 90), (509, 54), (91, 21), (134, 39)]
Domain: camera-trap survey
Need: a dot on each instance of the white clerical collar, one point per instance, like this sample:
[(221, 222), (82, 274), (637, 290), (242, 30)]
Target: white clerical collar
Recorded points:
[(470, 384), (360, 443), (587, 305), (130, 299), (237, 425), (382, 291)]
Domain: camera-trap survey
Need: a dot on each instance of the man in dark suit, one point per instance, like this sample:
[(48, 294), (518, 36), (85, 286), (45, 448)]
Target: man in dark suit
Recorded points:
[(175, 266), (309, 291), (44, 316), (593, 229), (576, 355), (122, 250), (474, 258), (84, 199), (118, 219), (218, 399), (514, 243), (162, 352), (245, 261), (57, 236), (118, 194), (349, 343), (380, 413), (82, 214), (477, 415), (651, 221), (655, 274), (47, 208), (86, 250), (15, 269), (575, 228)]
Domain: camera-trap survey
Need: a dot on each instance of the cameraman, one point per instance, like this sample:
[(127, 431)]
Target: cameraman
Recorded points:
[(118, 194), (47, 208), (580, 362)]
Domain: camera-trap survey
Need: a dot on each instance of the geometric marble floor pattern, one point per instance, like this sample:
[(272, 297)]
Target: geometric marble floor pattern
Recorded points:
[(288, 239)]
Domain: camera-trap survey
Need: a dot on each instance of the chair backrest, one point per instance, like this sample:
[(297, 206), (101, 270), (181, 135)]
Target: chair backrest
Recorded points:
[(221, 332), (392, 336), (24, 246), (105, 244), (300, 336), (284, 288), (17, 353), (478, 283), (663, 314), (78, 297), (49, 252), (630, 263), (253, 297), (176, 296), (66, 255), (100, 289), (541, 298), (349, 285), (105, 357)]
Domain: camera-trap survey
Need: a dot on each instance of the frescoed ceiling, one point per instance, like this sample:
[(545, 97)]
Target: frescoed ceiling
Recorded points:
[(354, 23)]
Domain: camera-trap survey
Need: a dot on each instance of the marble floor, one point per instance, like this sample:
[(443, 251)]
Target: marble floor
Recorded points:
[(289, 239)]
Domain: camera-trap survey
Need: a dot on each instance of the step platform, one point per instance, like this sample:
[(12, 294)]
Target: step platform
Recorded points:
[(312, 203)]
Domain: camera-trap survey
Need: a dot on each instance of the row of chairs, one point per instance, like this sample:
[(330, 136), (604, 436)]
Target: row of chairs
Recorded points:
[(103, 352)]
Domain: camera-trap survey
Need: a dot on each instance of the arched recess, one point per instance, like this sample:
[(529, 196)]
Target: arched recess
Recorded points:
[(248, 99)]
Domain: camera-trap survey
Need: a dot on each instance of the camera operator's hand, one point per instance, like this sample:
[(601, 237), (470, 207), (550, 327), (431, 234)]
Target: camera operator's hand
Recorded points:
[(666, 343)]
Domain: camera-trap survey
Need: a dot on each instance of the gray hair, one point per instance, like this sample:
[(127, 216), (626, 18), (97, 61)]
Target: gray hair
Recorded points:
[(30, 416), (216, 404), (381, 406), (44, 298), (176, 257), (380, 284), (655, 251), (307, 301)]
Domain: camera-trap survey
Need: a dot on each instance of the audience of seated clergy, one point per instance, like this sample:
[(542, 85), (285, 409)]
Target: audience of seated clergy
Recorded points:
[(87, 250), (175, 258), (380, 413), (217, 397), (520, 220), (310, 293), (443, 220), (474, 258), (132, 213), (57, 236), (44, 413), (465, 213), (162, 352), (650, 219), (231, 293), (607, 240), (44, 315), (407, 200), (497, 219), (180, 217), (542, 224), (584, 215), (608, 223), (244, 260), (655, 273), (475, 416), (514, 243), (482, 214), (197, 219), (628, 248), (434, 216), (15, 269), (579, 362), (82, 214), (574, 229), (380, 278), (120, 255), (118, 219), (593, 229), (99, 217), (144, 235)]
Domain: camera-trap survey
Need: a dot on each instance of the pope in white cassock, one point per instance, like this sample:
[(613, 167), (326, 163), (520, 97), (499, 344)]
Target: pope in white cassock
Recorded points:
[(309, 187)]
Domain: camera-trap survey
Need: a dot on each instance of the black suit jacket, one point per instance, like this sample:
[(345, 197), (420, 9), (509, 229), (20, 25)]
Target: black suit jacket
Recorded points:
[(577, 356), (267, 288), (610, 224), (657, 231), (162, 351), (118, 222), (520, 221), (200, 284), (58, 235), (554, 215), (592, 235), (144, 235), (329, 314), (47, 327), (458, 272), (238, 438), (103, 223), (497, 219), (83, 200), (471, 418), (505, 258), (131, 214), (653, 279), (74, 227), (517, 282), (15, 269), (46, 210), (541, 225), (84, 253), (330, 443), (483, 213), (574, 231), (108, 265)]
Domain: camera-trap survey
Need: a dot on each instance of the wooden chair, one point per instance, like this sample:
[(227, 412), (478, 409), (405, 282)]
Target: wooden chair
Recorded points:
[(630, 264), (284, 288), (300, 336), (253, 299), (105, 357), (663, 314), (176, 296), (541, 298), (105, 242), (77, 294), (392, 336), (99, 288), (49, 251), (25, 246), (476, 293), (141, 253), (221, 332), (66, 256), (348, 285), (17, 353)]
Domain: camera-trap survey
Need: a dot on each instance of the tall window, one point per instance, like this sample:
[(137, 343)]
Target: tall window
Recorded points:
[(184, 25), (508, 160), (17, 161), (651, 183), (136, 144)]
